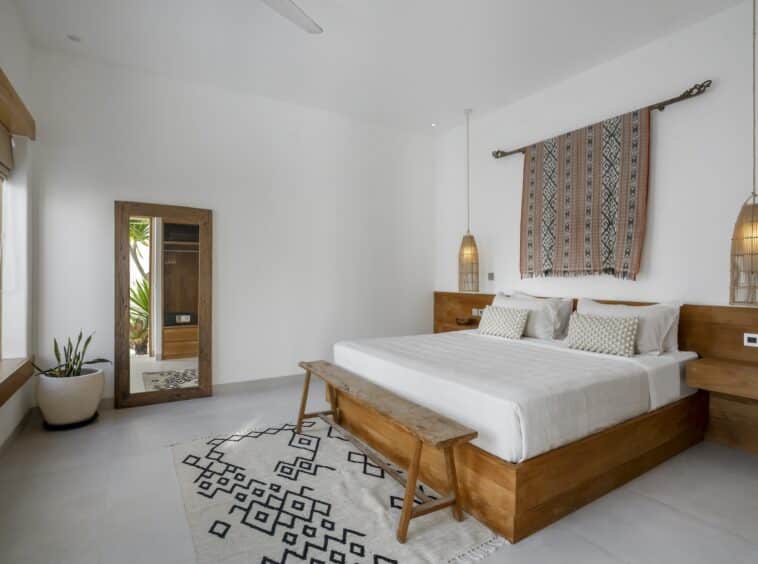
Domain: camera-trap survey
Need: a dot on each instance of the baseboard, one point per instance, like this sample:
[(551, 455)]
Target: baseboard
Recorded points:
[(218, 390), (232, 388), (107, 403), (256, 385)]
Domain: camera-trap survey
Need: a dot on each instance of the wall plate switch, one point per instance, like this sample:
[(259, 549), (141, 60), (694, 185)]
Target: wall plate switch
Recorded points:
[(750, 339), (490, 276)]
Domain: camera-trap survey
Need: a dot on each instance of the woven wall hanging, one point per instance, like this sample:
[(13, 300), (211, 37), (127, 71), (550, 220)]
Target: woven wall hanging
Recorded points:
[(585, 194)]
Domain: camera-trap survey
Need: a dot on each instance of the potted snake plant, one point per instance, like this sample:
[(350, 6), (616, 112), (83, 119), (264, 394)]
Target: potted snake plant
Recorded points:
[(69, 393)]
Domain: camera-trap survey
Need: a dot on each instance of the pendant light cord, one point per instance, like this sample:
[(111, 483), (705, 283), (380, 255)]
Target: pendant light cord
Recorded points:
[(467, 113)]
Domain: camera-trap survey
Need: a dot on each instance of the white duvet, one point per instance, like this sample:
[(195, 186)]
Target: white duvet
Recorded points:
[(523, 397)]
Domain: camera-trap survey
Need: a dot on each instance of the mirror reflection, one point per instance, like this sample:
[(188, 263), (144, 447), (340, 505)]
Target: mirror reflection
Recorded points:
[(163, 304)]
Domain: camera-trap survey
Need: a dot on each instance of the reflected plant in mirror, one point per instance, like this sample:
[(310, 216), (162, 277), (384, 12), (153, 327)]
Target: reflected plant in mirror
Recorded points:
[(139, 291), (139, 315)]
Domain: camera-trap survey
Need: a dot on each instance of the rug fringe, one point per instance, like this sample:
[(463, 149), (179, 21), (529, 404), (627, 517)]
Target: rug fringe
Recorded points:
[(479, 552)]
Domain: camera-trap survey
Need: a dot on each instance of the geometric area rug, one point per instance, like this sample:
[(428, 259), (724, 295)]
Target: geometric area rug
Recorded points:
[(275, 496)]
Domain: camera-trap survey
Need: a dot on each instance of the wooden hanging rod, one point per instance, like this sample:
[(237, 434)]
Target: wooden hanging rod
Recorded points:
[(695, 90)]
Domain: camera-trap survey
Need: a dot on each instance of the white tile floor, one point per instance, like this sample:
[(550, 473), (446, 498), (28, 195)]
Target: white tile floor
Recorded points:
[(108, 493)]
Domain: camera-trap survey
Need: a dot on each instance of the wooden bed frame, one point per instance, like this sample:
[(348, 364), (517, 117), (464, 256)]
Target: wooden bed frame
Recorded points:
[(516, 500)]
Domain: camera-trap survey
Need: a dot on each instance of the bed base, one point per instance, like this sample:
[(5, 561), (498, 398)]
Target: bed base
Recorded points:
[(516, 500)]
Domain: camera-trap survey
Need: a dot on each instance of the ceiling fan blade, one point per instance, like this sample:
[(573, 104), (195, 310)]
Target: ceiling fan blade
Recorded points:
[(294, 13)]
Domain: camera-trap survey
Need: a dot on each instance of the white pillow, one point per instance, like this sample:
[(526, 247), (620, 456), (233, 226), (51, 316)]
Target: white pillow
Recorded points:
[(543, 314), (503, 322), (671, 340), (658, 324), (565, 309)]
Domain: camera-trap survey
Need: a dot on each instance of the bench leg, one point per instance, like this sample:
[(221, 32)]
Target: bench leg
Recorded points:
[(303, 401), (452, 479), (410, 493), (332, 395)]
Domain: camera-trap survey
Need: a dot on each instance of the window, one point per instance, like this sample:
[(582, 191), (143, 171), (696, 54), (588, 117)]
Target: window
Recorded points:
[(6, 164), (15, 120)]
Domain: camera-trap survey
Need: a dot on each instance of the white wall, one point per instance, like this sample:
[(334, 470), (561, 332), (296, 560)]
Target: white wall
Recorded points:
[(14, 60), (323, 227), (701, 166)]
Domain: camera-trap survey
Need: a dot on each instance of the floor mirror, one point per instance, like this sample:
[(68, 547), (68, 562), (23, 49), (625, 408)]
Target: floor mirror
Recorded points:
[(163, 330)]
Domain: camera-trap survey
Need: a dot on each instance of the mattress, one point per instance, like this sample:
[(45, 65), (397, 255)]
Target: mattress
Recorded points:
[(524, 397)]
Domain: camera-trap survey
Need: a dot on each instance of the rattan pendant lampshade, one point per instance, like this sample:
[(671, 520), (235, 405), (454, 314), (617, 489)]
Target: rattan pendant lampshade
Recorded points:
[(744, 288), (744, 262), (468, 255)]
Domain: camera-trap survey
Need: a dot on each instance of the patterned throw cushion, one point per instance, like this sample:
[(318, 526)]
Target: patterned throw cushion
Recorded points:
[(608, 335), (505, 322), (658, 325)]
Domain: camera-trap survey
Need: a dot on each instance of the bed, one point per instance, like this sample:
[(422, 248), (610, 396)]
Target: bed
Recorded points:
[(558, 428), (524, 397)]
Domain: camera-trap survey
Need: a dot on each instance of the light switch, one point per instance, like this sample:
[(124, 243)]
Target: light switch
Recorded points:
[(490, 276)]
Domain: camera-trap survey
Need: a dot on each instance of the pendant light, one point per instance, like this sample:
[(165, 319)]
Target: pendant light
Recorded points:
[(744, 268), (468, 256)]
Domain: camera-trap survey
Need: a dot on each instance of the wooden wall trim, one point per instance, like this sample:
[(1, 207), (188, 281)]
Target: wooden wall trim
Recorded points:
[(14, 115), (14, 373)]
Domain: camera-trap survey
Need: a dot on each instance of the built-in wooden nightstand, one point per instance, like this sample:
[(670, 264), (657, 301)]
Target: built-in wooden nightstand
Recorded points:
[(454, 311), (733, 405)]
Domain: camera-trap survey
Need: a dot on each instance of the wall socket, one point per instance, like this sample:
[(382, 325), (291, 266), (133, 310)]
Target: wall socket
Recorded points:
[(750, 339), (477, 312)]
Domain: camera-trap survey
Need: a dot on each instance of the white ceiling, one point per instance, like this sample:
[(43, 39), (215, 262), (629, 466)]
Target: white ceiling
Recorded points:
[(407, 63)]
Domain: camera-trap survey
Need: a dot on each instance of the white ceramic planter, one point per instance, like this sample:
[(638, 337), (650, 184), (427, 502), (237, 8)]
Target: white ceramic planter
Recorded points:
[(64, 401)]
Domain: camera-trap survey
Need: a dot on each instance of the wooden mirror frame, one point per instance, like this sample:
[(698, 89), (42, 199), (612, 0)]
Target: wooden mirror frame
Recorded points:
[(170, 214)]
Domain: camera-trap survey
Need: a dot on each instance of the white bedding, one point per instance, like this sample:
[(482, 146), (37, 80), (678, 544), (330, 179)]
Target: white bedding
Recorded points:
[(524, 397)]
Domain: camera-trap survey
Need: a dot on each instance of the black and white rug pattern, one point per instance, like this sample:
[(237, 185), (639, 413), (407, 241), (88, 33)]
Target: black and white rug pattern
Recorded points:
[(275, 496), (170, 379)]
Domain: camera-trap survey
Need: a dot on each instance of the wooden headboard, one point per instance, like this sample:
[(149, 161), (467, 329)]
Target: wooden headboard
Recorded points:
[(710, 331)]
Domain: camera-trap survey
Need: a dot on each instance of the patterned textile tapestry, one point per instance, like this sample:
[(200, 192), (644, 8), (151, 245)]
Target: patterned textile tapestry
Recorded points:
[(584, 202)]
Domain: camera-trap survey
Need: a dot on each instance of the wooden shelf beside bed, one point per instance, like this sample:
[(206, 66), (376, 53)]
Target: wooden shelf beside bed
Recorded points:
[(453, 310), (733, 402)]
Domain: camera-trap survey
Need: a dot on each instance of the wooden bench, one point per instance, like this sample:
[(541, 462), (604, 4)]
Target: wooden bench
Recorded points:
[(426, 427)]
